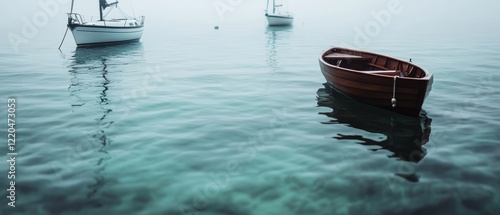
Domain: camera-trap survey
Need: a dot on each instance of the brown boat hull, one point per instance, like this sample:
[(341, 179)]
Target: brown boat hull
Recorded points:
[(377, 87)]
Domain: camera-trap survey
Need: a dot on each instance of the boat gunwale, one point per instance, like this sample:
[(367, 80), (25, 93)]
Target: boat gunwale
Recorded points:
[(427, 77), (280, 16), (101, 26), (88, 45)]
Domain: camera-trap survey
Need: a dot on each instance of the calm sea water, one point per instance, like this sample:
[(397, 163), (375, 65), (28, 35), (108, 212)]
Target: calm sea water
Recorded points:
[(237, 121)]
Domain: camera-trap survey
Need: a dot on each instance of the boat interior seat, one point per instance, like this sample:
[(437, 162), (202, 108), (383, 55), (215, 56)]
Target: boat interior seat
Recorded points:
[(338, 56), (384, 72)]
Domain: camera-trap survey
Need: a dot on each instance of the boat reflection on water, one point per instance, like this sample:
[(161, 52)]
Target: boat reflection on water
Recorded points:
[(92, 72), (91, 55), (275, 34), (90, 69), (405, 136)]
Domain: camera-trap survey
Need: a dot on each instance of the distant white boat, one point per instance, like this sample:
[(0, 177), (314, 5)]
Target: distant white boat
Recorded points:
[(102, 31), (277, 17)]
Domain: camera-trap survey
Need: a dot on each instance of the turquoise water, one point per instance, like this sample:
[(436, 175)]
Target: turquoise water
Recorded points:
[(193, 120)]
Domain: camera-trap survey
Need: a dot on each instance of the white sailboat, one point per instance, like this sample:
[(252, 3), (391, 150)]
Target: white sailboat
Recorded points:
[(277, 17), (105, 31)]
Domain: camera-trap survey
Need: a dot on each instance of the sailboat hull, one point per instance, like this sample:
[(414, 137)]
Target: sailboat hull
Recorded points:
[(279, 20), (86, 35)]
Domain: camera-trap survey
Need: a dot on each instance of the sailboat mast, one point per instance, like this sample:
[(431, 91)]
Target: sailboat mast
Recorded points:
[(267, 6), (100, 10), (72, 3), (274, 7)]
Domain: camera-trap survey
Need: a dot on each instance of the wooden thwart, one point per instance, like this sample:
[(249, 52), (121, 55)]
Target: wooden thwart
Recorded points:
[(377, 66), (342, 56), (383, 72)]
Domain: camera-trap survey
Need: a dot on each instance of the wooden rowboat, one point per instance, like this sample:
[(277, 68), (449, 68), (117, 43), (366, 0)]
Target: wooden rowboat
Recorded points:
[(376, 79)]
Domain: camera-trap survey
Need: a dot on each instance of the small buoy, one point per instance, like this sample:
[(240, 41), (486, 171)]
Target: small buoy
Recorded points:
[(216, 27)]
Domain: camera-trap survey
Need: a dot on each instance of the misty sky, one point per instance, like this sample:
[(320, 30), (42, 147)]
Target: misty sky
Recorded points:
[(454, 16)]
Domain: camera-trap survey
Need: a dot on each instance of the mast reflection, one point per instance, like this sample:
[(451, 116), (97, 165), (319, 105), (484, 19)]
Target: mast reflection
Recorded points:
[(274, 34), (90, 84)]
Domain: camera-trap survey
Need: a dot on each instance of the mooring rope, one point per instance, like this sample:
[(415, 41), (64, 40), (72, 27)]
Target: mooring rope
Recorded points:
[(393, 100)]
